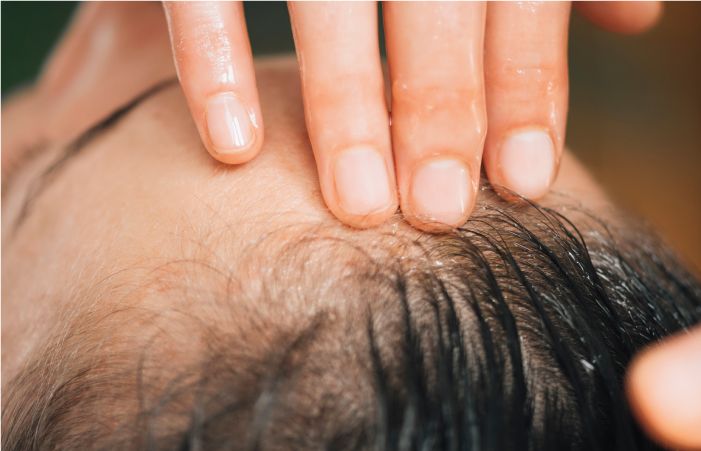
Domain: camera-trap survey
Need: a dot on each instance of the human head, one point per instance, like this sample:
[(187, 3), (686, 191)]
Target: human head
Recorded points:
[(154, 298)]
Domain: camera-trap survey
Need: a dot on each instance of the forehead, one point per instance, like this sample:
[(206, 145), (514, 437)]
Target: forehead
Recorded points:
[(145, 194), (199, 327), (139, 195)]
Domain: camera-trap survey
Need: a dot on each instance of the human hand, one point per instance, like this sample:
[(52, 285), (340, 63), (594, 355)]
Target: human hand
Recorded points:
[(454, 68), (664, 388)]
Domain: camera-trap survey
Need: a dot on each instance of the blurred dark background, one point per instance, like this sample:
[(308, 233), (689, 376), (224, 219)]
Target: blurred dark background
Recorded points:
[(635, 102)]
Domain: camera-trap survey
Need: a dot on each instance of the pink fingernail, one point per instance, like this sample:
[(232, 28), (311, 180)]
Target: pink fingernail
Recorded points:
[(362, 183), (441, 191), (228, 123), (527, 160)]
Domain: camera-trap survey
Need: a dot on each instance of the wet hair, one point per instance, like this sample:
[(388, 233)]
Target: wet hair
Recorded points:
[(512, 332)]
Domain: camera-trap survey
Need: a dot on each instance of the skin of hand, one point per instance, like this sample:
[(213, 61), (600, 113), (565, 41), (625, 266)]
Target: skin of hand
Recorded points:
[(456, 69), (664, 388)]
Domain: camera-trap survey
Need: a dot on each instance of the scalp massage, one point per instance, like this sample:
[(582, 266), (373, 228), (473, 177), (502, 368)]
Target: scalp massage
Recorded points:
[(207, 250)]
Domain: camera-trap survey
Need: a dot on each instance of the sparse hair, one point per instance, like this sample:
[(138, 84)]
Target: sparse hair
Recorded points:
[(513, 332)]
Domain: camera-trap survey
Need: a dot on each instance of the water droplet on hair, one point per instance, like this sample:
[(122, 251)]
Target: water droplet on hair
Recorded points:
[(588, 367)]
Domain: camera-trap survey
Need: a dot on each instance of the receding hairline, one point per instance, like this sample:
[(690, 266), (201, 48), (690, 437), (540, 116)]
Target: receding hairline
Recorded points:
[(450, 255)]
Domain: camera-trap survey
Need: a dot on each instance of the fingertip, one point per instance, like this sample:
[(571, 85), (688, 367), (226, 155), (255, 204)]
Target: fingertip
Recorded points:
[(215, 68), (622, 17), (637, 17), (441, 195), (239, 157), (664, 393), (345, 109), (363, 190), (526, 165), (527, 92), (234, 135), (367, 221), (650, 14), (433, 226)]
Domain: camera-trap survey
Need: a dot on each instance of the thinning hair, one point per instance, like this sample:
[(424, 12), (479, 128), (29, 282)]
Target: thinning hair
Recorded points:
[(512, 332)]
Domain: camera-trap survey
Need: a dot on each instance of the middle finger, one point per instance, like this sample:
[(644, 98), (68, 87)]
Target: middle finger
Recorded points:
[(438, 107), (345, 109)]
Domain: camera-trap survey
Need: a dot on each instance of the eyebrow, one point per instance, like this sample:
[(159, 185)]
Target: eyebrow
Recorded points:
[(74, 148)]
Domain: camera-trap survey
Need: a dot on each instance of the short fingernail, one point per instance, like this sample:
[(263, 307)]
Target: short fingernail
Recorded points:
[(441, 191), (361, 180), (527, 160), (228, 123)]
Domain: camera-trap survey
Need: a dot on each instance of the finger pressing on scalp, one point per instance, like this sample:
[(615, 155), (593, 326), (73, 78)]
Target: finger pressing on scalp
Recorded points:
[(215, 67), (526, 77), (438, 108), (621, 17), (345, 108)]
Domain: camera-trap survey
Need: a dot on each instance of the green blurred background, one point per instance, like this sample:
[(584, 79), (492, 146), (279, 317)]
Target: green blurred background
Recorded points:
[(635, 102)]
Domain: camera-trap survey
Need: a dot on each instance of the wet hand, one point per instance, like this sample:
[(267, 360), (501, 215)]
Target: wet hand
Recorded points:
[(470, 83)]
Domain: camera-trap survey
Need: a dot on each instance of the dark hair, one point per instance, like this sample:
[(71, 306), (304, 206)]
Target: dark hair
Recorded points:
[(513, 332)]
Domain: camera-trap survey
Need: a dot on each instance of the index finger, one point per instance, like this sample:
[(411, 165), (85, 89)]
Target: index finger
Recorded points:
[(215, 67)]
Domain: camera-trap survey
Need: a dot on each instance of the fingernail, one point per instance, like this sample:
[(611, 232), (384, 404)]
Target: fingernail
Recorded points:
[(441, 191), (527, 160), (228, 123), (361, 180)]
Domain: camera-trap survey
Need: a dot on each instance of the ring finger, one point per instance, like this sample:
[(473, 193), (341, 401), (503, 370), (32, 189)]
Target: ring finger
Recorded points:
[(526, 76)]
